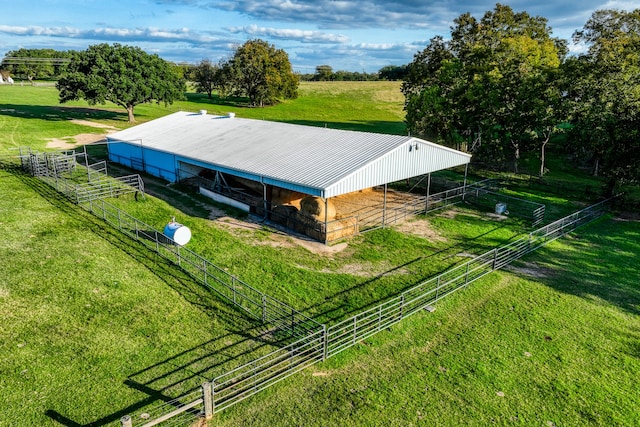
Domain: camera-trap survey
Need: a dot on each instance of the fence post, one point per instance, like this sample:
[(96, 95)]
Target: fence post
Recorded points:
[(126, 421), (466, 275), (355, 329), (208, 400), (325, 342), (495, 258), (401, 306), (264, 308), (204, 270)]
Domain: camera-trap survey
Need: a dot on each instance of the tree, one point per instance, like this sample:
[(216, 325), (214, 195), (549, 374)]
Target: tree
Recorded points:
[(323, 73), (262, 73), (392, 72), (604, 94), (207, 77), (38, 64), (124, 75), (483, 81)]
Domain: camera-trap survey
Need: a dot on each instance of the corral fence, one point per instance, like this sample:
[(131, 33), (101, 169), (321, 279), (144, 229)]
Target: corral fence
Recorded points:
[(311, 342), (56, 170), (234, 386)]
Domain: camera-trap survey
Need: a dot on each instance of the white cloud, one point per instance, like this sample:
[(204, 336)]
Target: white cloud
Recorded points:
[(305, 36)]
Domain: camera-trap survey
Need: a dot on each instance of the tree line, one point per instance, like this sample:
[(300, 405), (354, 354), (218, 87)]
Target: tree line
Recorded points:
[(502, 87)]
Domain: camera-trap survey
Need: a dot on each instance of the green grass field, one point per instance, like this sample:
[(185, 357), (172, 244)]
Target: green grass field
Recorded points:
[(93, 327)]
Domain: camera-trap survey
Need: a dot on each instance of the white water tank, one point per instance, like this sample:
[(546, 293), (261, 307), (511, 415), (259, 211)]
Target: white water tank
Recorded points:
[(501, 208), (178, 233)]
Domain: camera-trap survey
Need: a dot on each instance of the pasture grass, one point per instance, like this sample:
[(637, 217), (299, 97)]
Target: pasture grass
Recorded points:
[(31, 115), (552, 342), (93, 327)]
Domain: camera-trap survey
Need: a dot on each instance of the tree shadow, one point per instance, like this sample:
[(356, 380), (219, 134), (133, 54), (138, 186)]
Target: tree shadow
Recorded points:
[(336, 307), (60, 113), (601, 264), (229, 101)]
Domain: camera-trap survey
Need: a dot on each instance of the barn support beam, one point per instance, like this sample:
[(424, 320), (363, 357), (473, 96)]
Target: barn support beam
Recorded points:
[(264, 199), (326, 220), (464, 184), (426, 208), (384, 207)]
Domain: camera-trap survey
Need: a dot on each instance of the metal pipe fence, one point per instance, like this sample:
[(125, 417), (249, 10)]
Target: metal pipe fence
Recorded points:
[(255, 303), (315, 342), (236, 385)]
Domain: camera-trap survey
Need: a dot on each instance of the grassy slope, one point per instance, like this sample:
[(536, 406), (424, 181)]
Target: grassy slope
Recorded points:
[(90, 323), (470, 343), (561, 349)]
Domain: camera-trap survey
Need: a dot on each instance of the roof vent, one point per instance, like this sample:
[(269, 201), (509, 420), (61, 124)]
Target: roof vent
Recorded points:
[(231, 115), (203, 112)]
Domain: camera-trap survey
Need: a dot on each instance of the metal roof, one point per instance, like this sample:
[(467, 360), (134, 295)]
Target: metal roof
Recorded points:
[(314, 160)]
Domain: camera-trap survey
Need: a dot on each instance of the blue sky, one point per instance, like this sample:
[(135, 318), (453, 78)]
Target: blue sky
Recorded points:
[(348, 35)]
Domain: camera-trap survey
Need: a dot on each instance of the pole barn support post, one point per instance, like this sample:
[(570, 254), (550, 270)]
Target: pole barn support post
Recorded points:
[(264, 198), (426, 208), (464, 184), (384, 207), (207, 398), (326, 220)]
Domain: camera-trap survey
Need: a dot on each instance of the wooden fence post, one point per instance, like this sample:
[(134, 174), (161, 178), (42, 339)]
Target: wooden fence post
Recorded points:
[(207, 397)]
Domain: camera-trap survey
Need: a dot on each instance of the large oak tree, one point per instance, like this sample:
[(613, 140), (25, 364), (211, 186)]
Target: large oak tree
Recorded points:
[(262, 73), (124, 75)]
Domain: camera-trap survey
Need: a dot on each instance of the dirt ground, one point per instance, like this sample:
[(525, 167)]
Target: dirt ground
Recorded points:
[(68, 142)]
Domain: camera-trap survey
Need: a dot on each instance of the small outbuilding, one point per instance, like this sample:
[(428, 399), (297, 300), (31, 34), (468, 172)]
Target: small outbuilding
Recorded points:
[(287, 173)]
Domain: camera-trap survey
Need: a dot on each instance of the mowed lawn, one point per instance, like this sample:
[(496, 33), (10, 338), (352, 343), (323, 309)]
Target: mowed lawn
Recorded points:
[(93, 327)]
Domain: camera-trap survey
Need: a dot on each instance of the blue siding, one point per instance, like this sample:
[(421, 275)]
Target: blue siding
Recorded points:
[(138, 157)]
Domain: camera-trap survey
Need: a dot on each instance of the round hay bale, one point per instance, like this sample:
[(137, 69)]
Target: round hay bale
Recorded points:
[(314, 207), (281, 196)]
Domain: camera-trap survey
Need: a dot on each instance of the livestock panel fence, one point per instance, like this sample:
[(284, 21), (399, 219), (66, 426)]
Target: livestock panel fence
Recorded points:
[(246, 380), (311, 341)]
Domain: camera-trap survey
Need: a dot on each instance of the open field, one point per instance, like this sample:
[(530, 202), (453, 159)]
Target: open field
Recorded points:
[(94, 327)]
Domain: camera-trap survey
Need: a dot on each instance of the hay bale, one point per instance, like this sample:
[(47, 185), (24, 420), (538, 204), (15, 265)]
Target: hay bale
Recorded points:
[(342, 228), (282, 196), (314, 207)]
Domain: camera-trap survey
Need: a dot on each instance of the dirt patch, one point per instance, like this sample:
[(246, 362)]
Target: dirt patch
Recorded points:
[(530, 269), (278, 238), (68, 142), (92, 124), (422, 228)]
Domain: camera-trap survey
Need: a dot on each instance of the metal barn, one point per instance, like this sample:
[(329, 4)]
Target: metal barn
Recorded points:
[(296, 175)]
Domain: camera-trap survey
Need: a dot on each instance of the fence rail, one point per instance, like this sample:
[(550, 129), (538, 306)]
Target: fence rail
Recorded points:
[(315, 342)]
